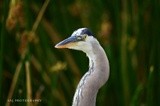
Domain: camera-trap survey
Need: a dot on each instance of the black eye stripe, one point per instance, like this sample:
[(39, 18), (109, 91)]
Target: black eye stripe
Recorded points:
[(87, 31)]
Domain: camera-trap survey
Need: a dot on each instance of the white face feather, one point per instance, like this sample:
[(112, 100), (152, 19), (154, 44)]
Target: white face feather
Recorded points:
[(81, 39), (86, 45), (78, 32)]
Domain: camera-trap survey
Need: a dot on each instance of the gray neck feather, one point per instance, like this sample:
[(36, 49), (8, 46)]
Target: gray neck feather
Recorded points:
[(93, 79)]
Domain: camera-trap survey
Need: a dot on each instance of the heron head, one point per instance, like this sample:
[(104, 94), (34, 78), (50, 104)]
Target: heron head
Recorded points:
[(81, 39)]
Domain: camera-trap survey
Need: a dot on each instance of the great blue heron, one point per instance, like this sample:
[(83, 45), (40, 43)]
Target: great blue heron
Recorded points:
[(98, 73)]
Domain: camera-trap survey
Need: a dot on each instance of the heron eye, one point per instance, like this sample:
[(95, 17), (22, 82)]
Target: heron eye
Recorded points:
[(85, 35)]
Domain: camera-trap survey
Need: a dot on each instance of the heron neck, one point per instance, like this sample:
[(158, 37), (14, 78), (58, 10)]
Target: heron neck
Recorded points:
[(93, 79), (98, 59)]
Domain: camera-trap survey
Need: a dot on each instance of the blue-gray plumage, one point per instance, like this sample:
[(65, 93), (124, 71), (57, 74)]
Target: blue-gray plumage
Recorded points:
[(98, 72)]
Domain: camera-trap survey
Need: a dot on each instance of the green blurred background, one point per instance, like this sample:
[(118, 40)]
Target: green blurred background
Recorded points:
[(32, 69)]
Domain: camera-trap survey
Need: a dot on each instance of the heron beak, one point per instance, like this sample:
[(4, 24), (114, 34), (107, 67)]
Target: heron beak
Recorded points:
[(67, 42)]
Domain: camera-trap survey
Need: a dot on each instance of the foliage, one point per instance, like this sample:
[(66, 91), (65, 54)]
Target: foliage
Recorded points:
[(32, 69)]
